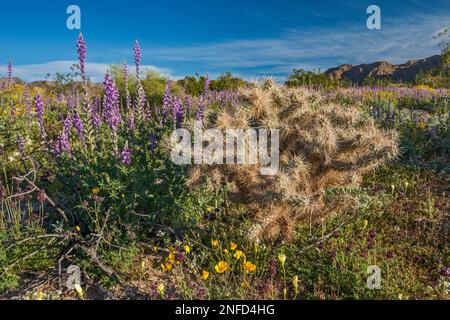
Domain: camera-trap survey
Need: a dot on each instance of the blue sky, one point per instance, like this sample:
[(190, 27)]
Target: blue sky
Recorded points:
[(248, 37)]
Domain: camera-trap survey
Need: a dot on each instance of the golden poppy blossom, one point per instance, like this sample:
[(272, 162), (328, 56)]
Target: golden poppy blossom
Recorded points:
[(238, 254), (221, 267), (249, 267), (95, 190), (205, 274), (187, 249), (215, 243), (233, 246)]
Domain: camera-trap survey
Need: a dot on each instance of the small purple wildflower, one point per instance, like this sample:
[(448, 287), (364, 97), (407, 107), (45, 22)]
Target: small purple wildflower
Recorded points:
[(444, 272), (390, 255)]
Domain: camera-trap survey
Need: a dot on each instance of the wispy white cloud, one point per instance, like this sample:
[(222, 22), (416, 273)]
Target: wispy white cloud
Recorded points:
[(96, 71), (398, 40)]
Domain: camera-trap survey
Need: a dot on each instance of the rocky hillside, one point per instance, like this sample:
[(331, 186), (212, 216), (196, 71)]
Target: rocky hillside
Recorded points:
[(381, 70)]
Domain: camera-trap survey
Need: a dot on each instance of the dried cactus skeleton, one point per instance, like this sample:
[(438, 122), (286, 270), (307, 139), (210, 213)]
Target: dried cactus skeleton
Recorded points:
[(321, 145)]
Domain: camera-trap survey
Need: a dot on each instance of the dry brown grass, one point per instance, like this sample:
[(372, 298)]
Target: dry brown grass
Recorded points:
[(321, 145)]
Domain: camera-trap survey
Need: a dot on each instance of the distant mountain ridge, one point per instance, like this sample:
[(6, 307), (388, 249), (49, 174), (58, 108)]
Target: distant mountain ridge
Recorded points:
[(383, 70)]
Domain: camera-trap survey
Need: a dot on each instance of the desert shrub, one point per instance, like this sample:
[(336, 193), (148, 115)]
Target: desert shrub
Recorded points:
[(322, 145)]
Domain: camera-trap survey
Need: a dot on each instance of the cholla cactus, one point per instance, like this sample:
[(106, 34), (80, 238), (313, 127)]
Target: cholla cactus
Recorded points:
[(321, 145)]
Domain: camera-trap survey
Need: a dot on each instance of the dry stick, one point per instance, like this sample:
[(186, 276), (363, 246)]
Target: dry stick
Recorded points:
[(33, 238), (52, 203), (32, 183), (314, 240), (94, 256)]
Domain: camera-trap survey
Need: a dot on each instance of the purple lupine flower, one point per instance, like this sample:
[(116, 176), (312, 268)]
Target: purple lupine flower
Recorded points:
[(81, 48), (153, 143), (167, 101), (200, 110), (94, 113), (127, 91), (206, 84), (39, 107), (20, 145), (111, 103), (188, 104), (9, 71), (137, 58), (63, 144), (177, 113), (141, 98), (131, 120), (126, 155), (26, 102), (78, 125)]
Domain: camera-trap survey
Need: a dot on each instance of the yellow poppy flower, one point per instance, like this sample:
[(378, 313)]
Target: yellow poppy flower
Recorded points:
[(221, 267), (225, 251), (77, 229), (95, 190), (215, 243), (249, 267), (167, 266), (205, 274), (233, 246), (187, 249), (238, 254)]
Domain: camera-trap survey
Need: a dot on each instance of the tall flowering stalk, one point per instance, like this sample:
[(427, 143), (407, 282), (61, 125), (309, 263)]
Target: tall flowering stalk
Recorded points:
[(141, 92), (39, 107), (111, 103), (94, 113), (9, 72), (137, 59), (127, 90), (206, 84), (167, 101), (81, 48)]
